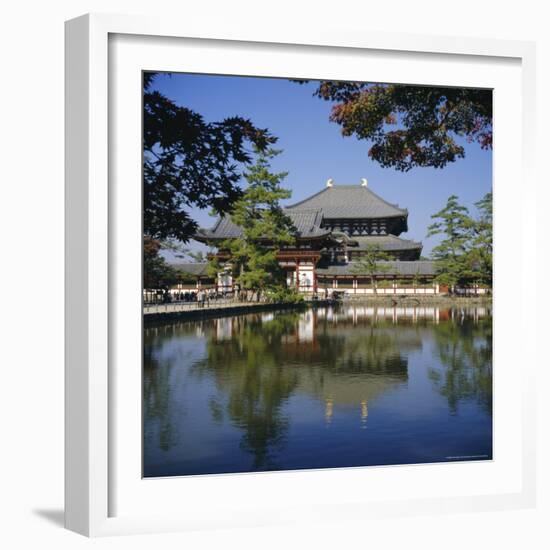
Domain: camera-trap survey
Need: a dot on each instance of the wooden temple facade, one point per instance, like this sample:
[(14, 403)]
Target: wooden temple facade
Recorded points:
[(334, 228)]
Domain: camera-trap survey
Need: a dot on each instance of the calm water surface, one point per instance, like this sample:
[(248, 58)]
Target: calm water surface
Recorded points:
[(345, 386)]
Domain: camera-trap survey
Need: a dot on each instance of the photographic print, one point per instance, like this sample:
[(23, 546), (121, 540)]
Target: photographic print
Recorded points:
[(317, 274)]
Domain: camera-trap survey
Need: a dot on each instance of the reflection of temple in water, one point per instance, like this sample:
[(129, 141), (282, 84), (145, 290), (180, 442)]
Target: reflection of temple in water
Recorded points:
[(324, 347), (308, 320), (397, 314), (355, 339), (336, 395), (329, 410), (323, 350), (266, 375)]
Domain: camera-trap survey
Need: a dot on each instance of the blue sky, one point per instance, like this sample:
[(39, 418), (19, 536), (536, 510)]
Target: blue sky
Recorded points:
[(314, 149)]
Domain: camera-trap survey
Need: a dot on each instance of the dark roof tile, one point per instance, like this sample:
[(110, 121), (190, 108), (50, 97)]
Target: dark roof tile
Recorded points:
[(385, 242), (350, 201), (197, 269), (420, 267), (306, 221)]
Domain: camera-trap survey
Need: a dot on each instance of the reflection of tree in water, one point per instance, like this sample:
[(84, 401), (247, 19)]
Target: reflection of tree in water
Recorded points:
[(158, 384), (353, 365), (263, 363), (368, 349), (465, 350), (156, 391), (258, 361), (249, 369)]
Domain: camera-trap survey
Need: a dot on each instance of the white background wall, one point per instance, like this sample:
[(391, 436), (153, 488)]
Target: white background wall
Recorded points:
[(31, 356)]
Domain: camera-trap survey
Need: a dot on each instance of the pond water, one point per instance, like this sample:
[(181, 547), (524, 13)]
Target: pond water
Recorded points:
[(318, 388)]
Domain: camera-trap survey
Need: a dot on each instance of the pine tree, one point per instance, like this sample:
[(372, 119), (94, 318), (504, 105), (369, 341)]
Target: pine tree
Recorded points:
[(453, 261), (265, 229), (372, 263), (482, 240)]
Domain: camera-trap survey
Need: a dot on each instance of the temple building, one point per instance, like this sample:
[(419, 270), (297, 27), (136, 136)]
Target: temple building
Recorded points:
[(334, 229)]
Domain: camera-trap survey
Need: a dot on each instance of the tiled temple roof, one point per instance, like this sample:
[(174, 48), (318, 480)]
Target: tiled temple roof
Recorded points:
[(420, 267), (350, 202), (306, 221), (385, 242), (196, 269)]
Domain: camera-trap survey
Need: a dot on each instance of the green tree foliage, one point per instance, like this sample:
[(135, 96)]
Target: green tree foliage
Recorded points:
[(466, 353), (253, 257), (187, 163), (410, 126), (157, 274), (451, 254), (197, 256), (249, 370), (258, 386), (372, 263), (465, 254), (190, 163), (482, 240)]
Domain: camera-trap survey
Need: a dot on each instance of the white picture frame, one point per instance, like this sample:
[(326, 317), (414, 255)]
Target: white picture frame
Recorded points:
[(100, 500)]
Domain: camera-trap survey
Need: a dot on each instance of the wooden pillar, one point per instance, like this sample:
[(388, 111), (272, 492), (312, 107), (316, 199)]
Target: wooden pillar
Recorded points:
[(314, 278)]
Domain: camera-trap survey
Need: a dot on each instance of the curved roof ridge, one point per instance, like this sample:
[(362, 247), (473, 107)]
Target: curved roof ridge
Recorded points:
[(383, 200), (317, 210), (307, 199), (387, 242), (349, 201), (385, 236), (218, 221), (403, 239), (307, 223), (176, 264)]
